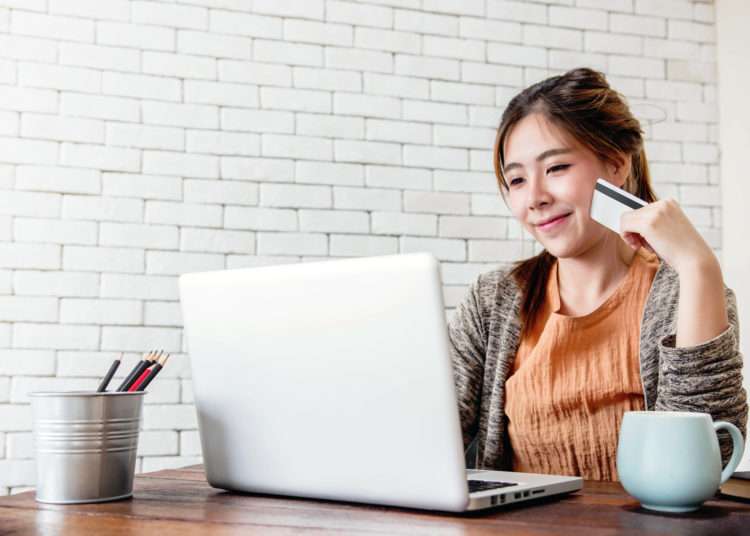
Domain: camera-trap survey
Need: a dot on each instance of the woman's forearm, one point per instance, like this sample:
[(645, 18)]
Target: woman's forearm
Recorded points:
[(702, 313)]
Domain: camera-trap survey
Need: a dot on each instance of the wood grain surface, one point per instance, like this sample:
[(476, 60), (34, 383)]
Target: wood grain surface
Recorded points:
[(181, 503)]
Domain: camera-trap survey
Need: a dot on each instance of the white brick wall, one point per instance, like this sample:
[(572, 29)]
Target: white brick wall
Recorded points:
[(141, 139)]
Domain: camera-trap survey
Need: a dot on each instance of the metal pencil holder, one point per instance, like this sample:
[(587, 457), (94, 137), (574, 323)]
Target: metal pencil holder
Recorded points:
[(85, 445)]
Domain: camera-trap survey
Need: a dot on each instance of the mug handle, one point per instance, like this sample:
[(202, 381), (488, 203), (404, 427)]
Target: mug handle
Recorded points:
[(737, 448)]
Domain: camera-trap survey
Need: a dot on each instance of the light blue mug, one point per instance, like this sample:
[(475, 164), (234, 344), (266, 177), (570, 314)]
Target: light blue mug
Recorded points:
[(670, 460)]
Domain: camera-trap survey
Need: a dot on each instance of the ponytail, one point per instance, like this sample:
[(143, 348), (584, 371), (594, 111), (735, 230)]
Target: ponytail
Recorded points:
[(638, 182)]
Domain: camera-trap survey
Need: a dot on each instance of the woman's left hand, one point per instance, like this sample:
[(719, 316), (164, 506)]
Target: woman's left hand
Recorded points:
[(663, 228)]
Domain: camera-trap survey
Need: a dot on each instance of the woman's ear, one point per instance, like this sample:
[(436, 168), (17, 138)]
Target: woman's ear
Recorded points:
[(621, 171)]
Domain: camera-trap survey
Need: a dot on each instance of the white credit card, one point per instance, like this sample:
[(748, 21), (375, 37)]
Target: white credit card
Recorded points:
[(610, 202)]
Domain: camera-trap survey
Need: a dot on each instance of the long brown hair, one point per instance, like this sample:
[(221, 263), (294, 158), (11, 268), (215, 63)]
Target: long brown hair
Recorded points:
[(584, 107)]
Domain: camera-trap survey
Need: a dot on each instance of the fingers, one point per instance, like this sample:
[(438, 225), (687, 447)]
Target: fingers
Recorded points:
[(653, 219), (636, 241), (662, 227), (631, 240)]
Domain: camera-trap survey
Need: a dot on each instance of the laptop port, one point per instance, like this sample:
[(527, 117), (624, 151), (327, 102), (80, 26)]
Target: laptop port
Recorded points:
[(525, 493), (536, 491), (517, 495)]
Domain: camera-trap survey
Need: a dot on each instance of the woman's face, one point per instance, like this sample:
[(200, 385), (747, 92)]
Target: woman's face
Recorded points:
[(550, 185)]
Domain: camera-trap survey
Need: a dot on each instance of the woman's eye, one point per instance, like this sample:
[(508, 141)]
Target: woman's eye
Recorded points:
[(558, 167), (516, 181)]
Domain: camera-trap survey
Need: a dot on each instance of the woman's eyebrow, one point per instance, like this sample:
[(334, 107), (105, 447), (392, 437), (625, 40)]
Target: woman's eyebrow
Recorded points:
[(540, 157), (553, 152)]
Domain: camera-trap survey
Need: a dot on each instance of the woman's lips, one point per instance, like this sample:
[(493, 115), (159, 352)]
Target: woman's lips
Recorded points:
[(552, 223)]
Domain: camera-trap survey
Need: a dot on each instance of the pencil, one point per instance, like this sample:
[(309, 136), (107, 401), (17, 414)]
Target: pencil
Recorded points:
[(137, 370), (110, 373), (153, 374), (142, 377), (152, 358), (131, 373)]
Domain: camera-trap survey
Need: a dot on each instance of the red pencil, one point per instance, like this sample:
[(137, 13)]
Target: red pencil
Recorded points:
[(157, 367), (141, 378)]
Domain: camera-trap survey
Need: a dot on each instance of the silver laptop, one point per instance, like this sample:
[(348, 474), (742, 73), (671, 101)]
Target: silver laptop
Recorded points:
[(332, 380)]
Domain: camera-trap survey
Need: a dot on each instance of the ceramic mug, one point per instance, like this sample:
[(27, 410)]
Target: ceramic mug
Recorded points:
[(670, 460)]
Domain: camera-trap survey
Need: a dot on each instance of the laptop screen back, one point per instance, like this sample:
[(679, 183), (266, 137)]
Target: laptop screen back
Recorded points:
[(327, 380)]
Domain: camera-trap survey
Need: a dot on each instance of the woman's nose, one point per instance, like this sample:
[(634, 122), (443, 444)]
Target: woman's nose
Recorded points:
[(537, 193)]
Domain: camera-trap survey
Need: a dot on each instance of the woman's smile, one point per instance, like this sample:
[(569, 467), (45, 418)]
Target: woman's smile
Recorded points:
[(551, 224)]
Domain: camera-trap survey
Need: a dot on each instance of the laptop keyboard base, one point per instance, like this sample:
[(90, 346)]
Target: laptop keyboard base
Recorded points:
[(486, 485)]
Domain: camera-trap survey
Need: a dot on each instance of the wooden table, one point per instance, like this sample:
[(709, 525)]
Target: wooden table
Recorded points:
[(180, 502)]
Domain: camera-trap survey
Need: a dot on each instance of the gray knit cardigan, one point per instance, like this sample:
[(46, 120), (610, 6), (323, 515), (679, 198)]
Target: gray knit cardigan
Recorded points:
[(485, 330)]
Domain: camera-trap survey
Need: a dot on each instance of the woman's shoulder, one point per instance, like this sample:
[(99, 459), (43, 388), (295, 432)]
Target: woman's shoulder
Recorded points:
[(498, 282), (666, 281), (664, 291), (492, 297), (499, 275)]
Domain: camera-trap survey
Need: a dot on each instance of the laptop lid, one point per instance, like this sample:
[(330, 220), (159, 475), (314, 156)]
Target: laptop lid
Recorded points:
[(328, 380)]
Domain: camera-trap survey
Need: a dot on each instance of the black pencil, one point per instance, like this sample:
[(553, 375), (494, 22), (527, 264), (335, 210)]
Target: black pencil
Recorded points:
[(152, 375), (110, 373), (139, 367)]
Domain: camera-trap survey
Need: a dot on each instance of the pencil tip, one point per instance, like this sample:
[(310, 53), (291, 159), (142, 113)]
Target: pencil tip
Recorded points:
[(119, 357)]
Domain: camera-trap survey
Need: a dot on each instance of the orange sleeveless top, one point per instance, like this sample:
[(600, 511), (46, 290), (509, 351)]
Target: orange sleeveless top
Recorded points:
[(573, 378)]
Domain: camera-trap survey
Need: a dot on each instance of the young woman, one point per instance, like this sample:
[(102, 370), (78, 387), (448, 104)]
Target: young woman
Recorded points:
[(548, 354)]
